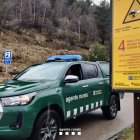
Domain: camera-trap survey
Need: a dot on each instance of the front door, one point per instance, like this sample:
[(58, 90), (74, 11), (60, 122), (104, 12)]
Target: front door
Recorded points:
[(74, 94)]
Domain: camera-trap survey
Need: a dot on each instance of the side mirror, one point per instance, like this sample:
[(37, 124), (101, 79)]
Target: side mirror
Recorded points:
[(71, 79)]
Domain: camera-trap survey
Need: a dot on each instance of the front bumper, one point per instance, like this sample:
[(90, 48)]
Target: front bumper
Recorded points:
[(16, 122)]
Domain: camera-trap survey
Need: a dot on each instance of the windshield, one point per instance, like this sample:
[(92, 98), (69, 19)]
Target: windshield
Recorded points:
[(46, 71)]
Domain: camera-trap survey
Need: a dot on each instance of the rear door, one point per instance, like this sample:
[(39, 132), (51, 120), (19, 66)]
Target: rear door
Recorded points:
[(105, 71), (95, 85)]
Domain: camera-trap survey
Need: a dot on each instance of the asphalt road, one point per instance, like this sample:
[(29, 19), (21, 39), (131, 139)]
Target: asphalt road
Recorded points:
[(94, 127)]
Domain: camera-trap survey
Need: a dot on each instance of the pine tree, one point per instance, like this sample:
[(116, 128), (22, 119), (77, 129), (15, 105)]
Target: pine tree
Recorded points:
[(102, 13)]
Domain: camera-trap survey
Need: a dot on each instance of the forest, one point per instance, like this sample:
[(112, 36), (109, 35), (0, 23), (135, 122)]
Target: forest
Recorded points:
[(74, 20)]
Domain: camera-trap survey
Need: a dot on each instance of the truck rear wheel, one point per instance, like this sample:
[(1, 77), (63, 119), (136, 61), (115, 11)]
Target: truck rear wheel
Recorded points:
[(47, 126), (110, 111)]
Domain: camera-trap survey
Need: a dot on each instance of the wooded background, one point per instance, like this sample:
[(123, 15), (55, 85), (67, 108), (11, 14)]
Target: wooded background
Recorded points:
[(73, 17)]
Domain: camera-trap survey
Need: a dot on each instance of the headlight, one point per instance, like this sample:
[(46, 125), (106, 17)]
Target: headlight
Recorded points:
[(18, 100)]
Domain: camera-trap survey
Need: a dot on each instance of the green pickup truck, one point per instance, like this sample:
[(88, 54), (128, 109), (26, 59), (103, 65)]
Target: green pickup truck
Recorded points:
[(36, 102)]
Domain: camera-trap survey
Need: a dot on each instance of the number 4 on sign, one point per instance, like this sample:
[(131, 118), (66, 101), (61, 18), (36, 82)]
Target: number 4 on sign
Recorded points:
[(121, 47)]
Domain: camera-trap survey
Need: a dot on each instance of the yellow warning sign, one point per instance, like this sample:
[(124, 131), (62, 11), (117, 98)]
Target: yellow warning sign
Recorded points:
[(126, 45), (126, 17), (133, 13)]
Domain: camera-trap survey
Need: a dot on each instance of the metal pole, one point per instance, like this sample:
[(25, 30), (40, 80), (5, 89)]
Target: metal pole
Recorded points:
[(136, 116), (6, 69)]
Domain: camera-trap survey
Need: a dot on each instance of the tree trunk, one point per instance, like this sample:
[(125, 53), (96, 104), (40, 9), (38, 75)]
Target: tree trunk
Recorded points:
[(21, 6), (34, 15), (79, 28), (43, 19), (30, 8)]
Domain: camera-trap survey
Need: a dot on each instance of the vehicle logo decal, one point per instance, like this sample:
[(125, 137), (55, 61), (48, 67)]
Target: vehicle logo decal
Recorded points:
[(75, 98), (97, 92)]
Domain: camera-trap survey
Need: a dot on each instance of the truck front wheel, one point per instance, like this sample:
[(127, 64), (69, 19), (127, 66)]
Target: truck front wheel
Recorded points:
[(110, 111), (47, 126)]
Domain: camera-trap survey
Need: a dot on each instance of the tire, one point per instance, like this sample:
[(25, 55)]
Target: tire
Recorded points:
[(110, 111), (47, 126)]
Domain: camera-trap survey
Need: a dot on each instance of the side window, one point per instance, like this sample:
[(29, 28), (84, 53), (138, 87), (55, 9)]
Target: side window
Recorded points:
[(75, 70), (105, 68), (91, 71)]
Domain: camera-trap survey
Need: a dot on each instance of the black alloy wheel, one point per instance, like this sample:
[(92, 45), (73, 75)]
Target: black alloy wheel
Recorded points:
[(110, 111), (47, 126)]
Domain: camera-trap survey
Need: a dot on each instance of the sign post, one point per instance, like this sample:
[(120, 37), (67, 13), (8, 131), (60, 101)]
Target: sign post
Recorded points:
[(126, 52), (7, 59), (137, 116)]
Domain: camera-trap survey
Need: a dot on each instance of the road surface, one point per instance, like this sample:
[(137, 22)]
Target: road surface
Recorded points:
[(94, 127)]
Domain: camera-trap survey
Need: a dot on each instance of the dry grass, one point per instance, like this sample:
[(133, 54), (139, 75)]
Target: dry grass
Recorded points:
[(29, 48), (127, 134)]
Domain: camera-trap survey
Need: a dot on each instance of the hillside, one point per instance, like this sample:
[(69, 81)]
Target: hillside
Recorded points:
[(36, 29), (31, 47)]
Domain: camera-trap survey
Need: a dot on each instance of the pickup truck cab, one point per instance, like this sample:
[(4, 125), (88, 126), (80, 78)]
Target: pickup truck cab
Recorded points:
[(40, 98)]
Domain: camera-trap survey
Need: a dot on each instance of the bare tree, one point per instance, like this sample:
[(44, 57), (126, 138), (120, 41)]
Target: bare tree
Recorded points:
[(21, 8), (45, 7), (52, 15), (34, 11)]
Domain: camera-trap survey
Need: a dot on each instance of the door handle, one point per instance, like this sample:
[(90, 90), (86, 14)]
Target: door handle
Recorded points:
[(85, 86), (101, 83)]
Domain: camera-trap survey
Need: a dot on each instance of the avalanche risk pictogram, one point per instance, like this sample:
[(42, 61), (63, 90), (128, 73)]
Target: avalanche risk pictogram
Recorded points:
[(133, 12)]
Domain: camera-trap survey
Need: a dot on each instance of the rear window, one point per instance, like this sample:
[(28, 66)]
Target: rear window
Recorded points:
[(90, 71)]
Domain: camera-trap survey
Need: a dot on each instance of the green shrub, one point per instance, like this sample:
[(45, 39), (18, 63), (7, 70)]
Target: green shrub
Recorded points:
[(98, 52)]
